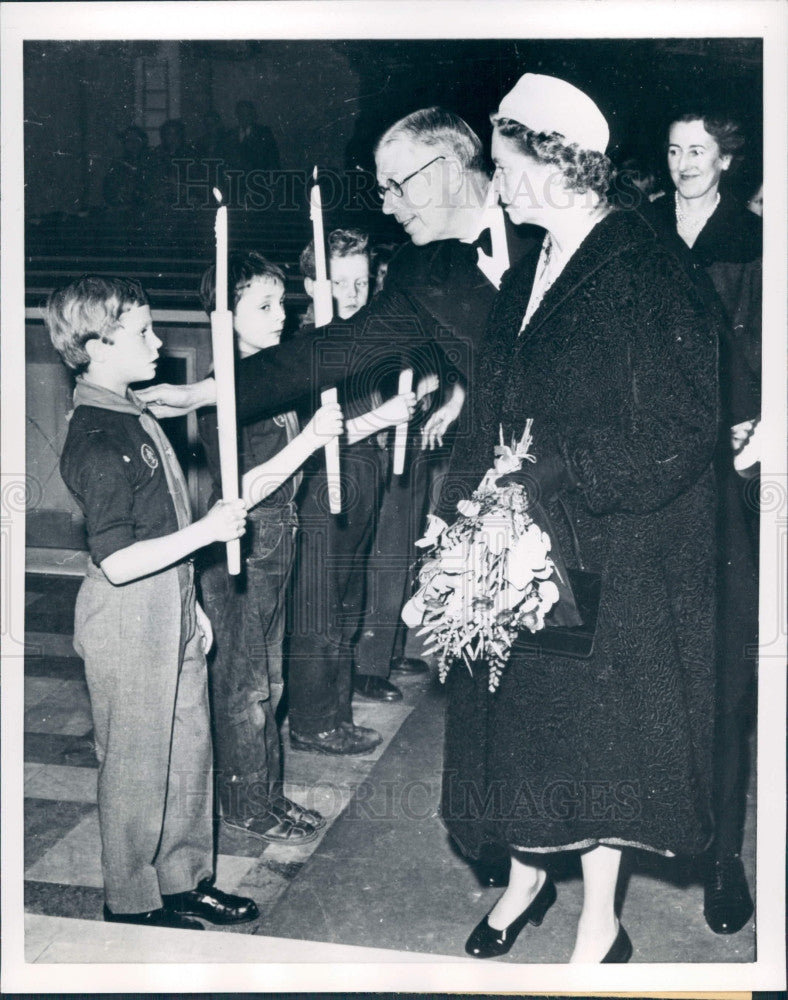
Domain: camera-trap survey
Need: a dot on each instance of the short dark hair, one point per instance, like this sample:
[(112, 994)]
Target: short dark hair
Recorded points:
[(341, 243), (241, 269), (583, 169), (88, 309), (441, 129)]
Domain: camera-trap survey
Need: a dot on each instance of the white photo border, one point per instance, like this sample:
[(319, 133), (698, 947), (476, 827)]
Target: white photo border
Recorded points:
[(313, 966)]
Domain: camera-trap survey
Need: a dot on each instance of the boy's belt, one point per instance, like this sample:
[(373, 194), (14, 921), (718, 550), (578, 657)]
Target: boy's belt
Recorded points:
[(283, 512)]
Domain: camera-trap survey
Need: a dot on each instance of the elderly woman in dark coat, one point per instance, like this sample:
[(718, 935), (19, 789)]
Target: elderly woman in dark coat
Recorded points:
[(604, 342)]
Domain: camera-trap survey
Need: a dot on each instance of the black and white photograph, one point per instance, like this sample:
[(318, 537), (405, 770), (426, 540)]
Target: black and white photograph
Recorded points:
[(413, 615)]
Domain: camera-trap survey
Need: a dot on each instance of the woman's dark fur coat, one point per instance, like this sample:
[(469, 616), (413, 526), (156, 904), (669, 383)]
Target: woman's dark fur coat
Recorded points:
[(618, 368)]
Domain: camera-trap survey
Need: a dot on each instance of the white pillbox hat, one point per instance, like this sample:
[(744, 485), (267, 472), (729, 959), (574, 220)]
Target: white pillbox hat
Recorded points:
[(547, 104)]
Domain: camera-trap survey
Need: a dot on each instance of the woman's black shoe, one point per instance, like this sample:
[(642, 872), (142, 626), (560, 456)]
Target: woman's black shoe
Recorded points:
[(620, 950), (492, 867), (491, 875), (727, 903), (489, 942)]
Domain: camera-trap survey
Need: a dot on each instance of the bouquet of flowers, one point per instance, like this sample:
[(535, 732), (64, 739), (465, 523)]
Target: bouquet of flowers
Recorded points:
[(490, 573)]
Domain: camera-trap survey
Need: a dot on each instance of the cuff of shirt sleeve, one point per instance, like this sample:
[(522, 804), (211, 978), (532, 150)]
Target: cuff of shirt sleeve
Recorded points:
[(109, 542)]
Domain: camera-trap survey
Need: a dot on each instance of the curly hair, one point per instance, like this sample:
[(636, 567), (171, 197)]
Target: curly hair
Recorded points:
[(725, 131), (442, 129), (88, 309), (341, 243), (583, 169), (241, 269)]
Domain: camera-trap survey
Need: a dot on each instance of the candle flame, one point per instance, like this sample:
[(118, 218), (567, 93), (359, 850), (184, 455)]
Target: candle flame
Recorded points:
[(314, 173), (218, 195)]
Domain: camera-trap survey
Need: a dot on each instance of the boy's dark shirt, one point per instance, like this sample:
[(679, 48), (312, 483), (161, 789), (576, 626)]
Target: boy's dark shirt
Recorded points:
[(257, 443), (115, 474)]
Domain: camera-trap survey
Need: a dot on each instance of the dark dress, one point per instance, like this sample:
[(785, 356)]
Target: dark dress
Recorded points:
[(618, 368)]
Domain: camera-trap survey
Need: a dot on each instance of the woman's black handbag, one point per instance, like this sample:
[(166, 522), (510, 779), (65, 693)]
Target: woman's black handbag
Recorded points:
[(568, 640)]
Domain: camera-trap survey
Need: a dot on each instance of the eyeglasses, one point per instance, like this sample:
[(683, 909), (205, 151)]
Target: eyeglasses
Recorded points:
[(397, 187)]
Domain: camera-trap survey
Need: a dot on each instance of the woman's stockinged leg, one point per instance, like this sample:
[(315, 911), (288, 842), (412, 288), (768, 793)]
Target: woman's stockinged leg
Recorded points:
[(598, 924), (525, 881)]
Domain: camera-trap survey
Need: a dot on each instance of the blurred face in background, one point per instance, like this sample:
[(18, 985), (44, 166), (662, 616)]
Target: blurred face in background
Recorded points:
[(755, 204), (694, 160), (380, 276)]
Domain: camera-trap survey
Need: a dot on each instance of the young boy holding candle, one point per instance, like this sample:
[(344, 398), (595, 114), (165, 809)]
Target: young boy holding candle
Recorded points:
[(137, 624), (249, 611), (334, 549)]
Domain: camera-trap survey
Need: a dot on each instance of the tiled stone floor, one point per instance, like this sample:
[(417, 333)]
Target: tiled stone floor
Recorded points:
[(382, 874)]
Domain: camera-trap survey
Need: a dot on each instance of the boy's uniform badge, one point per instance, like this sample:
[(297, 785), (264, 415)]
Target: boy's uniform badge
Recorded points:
[(149, 456)]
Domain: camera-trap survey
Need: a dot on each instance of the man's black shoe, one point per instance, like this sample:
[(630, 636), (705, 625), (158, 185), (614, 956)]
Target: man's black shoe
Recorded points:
[(408, 665), (727, 903), (369, 688), (212, 904), (153, 918)]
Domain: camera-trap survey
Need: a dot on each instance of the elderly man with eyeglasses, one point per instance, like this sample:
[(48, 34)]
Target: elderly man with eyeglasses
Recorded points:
[(432, 177)]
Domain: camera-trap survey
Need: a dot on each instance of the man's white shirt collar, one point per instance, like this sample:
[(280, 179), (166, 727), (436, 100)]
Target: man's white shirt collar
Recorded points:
[(492, 218)]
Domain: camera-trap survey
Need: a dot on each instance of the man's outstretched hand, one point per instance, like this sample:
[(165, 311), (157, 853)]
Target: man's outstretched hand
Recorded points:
[(167, 400)]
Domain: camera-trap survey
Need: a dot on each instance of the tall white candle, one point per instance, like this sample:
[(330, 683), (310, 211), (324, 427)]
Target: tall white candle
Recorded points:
[(332, 461), (224, 374), (401, 432), (323, 307), (316, 215), (221, 254)]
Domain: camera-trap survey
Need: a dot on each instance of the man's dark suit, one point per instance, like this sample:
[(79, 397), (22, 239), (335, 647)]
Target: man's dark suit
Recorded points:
[(435, 298)]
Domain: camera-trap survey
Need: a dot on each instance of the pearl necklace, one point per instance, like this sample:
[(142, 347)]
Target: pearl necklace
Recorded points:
[(689, 226)]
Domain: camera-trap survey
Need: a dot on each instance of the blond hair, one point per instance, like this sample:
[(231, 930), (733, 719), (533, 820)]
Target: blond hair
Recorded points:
[(88, 309)]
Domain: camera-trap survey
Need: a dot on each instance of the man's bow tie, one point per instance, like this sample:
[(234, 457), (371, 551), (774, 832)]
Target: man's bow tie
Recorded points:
[(484, 242)]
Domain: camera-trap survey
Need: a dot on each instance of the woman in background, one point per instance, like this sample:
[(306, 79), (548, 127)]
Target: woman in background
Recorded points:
[(725, 247)]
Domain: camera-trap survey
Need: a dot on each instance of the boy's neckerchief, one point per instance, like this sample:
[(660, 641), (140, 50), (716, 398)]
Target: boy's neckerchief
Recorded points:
[(89, 394)]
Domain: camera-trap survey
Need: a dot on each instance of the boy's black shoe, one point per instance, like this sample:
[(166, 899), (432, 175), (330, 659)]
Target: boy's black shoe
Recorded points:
[(337, 741), (212, 904), (274, 829), (362, 732), (285, 808), (153, 918)]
